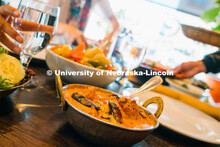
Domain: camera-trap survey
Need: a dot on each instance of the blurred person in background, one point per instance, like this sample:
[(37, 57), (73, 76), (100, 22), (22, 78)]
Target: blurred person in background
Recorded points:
[(210, 63), (73, 19), (75, 14)]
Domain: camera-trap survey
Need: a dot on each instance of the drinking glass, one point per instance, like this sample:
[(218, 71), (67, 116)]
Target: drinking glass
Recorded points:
[(132, 54), (43, 19), (170, 27)]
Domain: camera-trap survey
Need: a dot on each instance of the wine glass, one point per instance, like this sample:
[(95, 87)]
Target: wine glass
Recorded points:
[(170, 26), (132, 53), (43, 19)]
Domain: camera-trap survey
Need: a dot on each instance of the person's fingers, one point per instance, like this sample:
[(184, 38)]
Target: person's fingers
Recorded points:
[(177, 69), (33, 26), (108, 36), (5, 17), (84, 41), (69, 39), (184, 67), (188, 73), (7, 42), (79, 39), (5, 27), (9, 20), (9, 10)]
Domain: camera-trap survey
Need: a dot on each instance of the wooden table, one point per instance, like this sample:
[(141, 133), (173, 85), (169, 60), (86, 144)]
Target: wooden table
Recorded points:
[(32, 117)]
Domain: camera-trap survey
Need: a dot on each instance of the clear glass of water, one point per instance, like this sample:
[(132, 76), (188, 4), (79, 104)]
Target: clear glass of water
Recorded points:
[(132, 54), (37, 24)]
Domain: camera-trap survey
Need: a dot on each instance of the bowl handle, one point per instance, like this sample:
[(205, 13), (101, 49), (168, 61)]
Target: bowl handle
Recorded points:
[(158, 101), (60, 94)]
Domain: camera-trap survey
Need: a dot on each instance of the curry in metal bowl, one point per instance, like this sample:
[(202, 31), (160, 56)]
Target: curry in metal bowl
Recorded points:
[(112, 108), (104, 117)]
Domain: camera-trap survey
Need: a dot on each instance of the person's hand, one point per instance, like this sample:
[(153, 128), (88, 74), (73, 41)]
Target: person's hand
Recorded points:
[(108, 36), (72, 34), (189, 69), (6, 14)]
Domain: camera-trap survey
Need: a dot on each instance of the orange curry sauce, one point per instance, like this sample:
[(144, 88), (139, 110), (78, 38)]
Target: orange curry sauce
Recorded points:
[(131, 115)]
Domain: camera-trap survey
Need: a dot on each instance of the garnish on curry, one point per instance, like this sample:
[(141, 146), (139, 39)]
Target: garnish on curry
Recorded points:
[(109, 107)]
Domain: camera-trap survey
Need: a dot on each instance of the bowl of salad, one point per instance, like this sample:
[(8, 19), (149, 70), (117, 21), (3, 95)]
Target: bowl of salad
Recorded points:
[(12, 74), (81, 65)]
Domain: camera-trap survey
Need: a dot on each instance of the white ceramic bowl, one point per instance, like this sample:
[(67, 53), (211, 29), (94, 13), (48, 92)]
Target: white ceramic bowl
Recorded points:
[(56, 62)]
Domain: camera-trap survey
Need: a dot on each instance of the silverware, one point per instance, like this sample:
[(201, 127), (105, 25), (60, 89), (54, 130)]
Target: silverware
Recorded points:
[(149, 85)]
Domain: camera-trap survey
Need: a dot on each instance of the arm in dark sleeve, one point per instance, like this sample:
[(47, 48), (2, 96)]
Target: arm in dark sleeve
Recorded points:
[(212, 62)]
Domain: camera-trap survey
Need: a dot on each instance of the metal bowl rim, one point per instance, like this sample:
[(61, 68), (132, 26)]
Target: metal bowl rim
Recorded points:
[(107, 123), (15, 87)]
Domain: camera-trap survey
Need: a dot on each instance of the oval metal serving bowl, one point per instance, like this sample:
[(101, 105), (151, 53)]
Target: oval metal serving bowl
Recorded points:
[(6, 92), (101, 132)]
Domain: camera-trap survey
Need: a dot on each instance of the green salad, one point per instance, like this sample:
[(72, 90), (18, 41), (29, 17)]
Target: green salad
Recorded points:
[(11, 70)]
